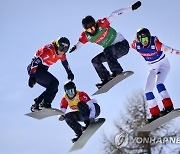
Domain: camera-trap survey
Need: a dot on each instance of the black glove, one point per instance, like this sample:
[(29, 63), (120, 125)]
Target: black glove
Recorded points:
[(71, 76), (31, 82), (61, 117), (72, 49), (136, 5)]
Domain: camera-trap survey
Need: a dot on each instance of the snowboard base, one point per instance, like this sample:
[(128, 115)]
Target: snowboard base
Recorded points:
[(44, 113), (92, 128), (160, 121), (113, 82)]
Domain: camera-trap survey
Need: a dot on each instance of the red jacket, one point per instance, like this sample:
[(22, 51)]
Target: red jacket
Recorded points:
[(80, 96), (48, 55)]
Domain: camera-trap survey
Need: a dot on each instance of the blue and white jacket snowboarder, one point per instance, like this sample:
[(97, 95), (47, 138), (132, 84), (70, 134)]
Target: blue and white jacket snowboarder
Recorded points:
[(153, 51)]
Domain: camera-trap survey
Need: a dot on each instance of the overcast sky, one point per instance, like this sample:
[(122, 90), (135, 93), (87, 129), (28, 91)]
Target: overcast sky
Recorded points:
[(27, 25)]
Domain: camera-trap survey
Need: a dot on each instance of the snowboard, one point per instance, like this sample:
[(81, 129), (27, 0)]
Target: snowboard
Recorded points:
[(160, 121), (44, 113), (91, 129), (113, 82)]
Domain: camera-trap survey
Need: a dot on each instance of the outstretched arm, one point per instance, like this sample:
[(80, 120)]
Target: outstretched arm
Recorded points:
[(162, 47), (166, 48), (123, 10), (76, 47), (82, 40)]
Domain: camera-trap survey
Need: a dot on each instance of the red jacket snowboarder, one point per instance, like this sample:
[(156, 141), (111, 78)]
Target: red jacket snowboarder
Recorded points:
[(84, 108), (38, 70)]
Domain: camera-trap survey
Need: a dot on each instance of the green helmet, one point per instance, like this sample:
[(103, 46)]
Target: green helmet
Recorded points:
[(143, 32)]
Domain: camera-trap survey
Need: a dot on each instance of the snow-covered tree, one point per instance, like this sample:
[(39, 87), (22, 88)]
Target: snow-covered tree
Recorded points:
[(127, 123)]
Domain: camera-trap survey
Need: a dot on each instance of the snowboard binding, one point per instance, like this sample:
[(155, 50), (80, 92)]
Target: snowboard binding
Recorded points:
[(44, 105), (76, 138), (35, 107), (164, 112), (104, 81)]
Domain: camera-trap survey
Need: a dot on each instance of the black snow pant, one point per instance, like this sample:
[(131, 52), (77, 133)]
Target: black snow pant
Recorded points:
[(48, 81), (82, 115), (110, 54)]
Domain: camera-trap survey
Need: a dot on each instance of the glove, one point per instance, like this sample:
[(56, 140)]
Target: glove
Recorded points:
[(33, 70), (34, 64), (72, 49), (176, 51), (31, 82), (61, 117), (136, 5), (71, 76)]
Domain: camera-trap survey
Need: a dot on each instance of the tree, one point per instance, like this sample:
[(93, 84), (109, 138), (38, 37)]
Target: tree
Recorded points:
[(127, 123)]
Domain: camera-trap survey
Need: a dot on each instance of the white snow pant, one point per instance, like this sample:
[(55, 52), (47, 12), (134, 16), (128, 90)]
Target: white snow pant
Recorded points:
[(157, 75)]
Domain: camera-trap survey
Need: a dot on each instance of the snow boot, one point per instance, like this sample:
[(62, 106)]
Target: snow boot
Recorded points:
[(76, 138), (35, 106), (43, 104), (114, 74), (167, 110), (154, 117), (87, 122), (104, 81)]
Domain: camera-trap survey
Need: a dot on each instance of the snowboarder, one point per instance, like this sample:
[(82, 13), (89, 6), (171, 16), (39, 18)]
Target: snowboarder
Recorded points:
[(152, 51), (38, 71), (84, 109), (114, 44)]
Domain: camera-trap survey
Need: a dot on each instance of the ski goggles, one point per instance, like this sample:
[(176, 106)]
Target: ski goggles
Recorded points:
[(93, 28), (144, 39), (70, 91), (63, 47)]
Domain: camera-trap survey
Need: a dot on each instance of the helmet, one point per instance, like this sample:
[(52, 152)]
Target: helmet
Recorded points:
[(143, 32), (88, 22), (70, 87), (62, 44)]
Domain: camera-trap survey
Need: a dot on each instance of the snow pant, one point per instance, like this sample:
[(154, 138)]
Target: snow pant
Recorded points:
[(48, 81), (157, 75), (110, 55), (82, 115)]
